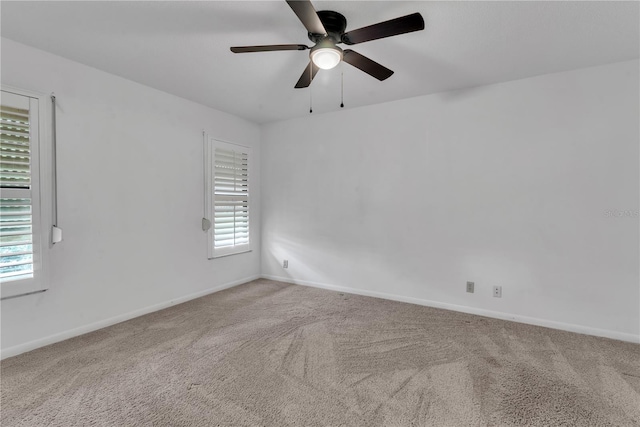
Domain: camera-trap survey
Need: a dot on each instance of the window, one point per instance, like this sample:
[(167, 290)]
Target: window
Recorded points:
[(227, 195), (22, 258)]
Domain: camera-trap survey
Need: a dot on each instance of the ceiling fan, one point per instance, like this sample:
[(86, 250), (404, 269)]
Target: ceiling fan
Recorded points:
[(326, 29)]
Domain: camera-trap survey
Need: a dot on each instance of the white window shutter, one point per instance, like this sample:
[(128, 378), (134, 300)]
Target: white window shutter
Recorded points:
[(229, 192), (21, 257), (16, 250)]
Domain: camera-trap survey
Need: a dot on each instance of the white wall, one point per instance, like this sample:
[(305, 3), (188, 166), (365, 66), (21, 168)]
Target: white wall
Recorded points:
[(507, 184), (130, 180)]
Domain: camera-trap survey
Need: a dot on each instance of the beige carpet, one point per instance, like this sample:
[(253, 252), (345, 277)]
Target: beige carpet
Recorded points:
[(272, 354)]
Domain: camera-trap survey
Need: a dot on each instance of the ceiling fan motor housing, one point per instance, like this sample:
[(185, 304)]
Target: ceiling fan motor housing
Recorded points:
[(334, 23)]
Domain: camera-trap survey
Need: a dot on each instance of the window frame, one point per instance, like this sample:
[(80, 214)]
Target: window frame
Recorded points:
[(209, 154), (41, 196)]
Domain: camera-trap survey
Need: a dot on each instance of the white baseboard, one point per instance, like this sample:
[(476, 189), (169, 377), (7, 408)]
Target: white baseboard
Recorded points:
[(51, 339), (622, 336)]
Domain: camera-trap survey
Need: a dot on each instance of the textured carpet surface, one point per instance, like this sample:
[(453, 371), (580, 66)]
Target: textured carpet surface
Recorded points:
[(272, 354)]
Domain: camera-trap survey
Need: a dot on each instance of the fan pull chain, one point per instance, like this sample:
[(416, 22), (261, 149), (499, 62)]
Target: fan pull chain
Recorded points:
[(310, 97), (341, 86)]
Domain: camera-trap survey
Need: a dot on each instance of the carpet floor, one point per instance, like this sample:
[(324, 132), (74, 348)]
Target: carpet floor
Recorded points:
[(273, 354)]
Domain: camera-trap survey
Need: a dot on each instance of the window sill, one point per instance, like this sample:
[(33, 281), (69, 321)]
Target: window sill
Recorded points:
[(230, 254)]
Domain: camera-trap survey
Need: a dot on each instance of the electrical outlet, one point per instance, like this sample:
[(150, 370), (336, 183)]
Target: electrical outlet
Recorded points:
[(497, 291), (285, 263), (470, 286)]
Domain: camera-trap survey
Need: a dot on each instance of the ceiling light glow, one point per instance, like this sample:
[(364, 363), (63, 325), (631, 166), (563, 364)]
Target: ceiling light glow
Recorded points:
[(326, 57)]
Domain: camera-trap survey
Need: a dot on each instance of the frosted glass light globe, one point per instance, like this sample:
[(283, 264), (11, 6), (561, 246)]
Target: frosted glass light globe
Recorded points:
[(326, 57)]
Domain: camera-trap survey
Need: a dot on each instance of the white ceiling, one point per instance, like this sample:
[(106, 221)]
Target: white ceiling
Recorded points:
[(183, 47)]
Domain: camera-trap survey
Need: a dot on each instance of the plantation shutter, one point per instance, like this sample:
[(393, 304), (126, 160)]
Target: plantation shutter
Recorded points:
[(17, 164), (230, 230)]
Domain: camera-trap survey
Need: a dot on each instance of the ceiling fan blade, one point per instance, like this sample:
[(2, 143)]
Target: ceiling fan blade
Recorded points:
[(367, 65), (393, 27), (268, 48), (307, 15), (307, 75)]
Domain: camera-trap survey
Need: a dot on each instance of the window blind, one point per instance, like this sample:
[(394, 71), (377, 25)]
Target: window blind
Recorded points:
[(231, 199), (16, 209)]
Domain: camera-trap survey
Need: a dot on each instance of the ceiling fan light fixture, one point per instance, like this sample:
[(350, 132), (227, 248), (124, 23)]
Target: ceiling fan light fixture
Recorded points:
[(326, 58)]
